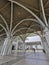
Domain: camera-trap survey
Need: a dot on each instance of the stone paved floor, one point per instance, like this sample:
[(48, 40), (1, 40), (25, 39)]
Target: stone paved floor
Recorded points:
[(28, 59), (34, 59)]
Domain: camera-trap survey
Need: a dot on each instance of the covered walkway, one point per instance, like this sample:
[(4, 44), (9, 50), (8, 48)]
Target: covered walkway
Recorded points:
[(20, 19)]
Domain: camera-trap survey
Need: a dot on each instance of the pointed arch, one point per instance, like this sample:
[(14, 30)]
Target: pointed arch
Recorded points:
[(24, 28), (32, 13), (26, 20)]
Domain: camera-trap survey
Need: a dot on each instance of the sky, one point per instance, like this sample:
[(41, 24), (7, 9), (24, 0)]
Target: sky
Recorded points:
[(33, 39)]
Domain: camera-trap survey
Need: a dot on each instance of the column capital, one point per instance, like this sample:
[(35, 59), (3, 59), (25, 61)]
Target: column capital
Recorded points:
[(46, 31)]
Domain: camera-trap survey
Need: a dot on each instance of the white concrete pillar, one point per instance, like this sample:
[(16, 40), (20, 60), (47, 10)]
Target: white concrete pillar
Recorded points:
[(46, 40), (24, 47), (9, 50), (44, 44), (6, 49), (16, 48)]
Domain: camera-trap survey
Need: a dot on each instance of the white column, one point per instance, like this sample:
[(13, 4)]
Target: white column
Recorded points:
[(9, 50), (46, 31), (6, 49), (46, 40), (16, 48), (24, 46)]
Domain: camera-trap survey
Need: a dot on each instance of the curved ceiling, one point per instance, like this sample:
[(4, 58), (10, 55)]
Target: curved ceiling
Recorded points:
[(19, 14)]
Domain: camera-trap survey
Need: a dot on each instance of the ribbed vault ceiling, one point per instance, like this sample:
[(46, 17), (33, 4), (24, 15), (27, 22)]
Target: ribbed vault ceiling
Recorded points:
[(19, 14)]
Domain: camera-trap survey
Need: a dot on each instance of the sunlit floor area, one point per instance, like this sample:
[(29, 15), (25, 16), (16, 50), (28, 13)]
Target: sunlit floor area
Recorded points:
[(34, 59), (27, 59)]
